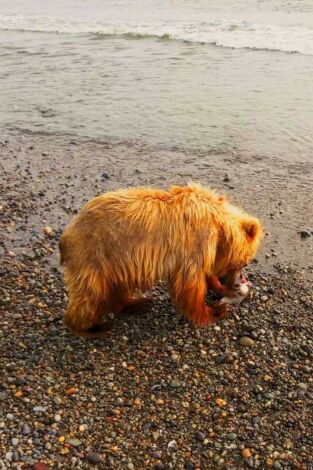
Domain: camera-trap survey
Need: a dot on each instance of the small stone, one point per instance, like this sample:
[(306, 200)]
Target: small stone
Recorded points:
[(130, 466), (160, 402), (94, 457), (277, 465), (3, 396), (57, 400), (57, 418), (48, 445), (71, 391), (174, 384), (26, 430), (48, 230), (231, 436), (8, 456), (264, 298), (20, 381), (246, 453), (305, 234), (250, 462), (40, 466), (199, 436), (189, 465), (220, 402), (39, 409), (246, 341), (14, 441), (74, 442), (159, 466), (303, 386)]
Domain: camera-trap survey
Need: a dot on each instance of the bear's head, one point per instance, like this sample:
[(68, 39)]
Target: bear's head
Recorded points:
[(239, 238)]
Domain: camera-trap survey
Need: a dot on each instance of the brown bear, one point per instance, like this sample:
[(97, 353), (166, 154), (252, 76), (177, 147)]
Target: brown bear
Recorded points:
[(122, 243)]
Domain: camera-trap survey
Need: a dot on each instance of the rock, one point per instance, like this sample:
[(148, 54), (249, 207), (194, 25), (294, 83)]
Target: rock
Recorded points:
[(246, 341), (246, 453), (48, 230), (71, 391), (20, 381), (14, 441), (57, 418), (130, 466), (305, 234), (277, 465), (199, 436), (39, 409), (189, 465), (220, 402), (231, 436), (74, 442), (160, 402), (3, 396), (159, 466), (250, 462), (26, 430), (94, 457), (8, 456), (174, 384), (40, 466)]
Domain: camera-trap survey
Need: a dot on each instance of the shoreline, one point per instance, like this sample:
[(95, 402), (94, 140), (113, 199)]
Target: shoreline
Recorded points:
[(155, 393)]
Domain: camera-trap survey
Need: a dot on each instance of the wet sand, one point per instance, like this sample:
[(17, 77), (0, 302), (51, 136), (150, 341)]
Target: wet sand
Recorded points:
[(59, 174), (156, 393)]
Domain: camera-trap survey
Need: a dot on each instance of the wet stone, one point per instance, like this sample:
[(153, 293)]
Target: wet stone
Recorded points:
[(94, 457), (246, 341), (199, 436), (189, 465)]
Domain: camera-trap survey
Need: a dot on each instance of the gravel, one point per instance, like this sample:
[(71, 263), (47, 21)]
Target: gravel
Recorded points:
[(156, 393)]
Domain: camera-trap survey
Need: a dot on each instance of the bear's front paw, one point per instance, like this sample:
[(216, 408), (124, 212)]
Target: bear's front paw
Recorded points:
[(220, 310)]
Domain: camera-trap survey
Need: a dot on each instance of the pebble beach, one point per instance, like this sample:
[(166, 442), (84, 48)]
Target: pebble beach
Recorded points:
[(156, 393)]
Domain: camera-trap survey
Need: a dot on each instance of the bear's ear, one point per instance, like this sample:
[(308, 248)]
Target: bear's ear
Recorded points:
[(252, 228)]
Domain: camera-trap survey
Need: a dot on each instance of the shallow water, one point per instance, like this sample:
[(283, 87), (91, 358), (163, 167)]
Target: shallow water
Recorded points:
[(228, 75)]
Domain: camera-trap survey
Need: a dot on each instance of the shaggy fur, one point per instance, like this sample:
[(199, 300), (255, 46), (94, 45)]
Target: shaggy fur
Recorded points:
[(124, 242)]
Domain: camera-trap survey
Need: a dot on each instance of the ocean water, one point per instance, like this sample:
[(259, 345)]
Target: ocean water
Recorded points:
[(224, 74)]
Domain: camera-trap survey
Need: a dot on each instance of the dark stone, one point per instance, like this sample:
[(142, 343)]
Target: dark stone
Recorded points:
[(160, 466), (189, 465), (305, 234), (199, 436), (94, 457)]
